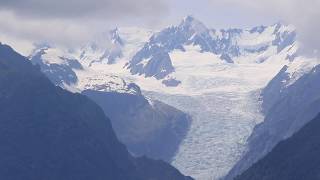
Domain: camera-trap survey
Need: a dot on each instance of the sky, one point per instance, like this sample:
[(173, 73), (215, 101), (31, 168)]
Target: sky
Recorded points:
[(76, 21)]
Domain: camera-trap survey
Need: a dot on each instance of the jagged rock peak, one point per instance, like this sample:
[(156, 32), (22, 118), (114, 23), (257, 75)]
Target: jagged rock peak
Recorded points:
[(115, 36), (190, 23)]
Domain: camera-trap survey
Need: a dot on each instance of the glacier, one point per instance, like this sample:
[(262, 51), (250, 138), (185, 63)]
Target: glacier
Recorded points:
[(224, 105), (222, 122), (215, 76)]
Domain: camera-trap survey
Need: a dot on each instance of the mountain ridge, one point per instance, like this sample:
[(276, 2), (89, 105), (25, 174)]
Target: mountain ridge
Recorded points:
[(61, 135)]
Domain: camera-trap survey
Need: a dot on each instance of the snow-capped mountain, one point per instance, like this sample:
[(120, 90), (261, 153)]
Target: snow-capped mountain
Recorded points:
[(107, 47), (215, 76), (108, 83), (122, 101), (58, 65), (155, 60), (156, 57)]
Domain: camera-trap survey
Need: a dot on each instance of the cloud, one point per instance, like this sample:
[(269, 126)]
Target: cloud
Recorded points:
[(303, 14), (106, 9), (61, 32), (71, 23)]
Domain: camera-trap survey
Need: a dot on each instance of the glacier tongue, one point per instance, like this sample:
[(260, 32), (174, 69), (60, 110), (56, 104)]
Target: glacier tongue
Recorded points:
[(222, 121), (223, 100)]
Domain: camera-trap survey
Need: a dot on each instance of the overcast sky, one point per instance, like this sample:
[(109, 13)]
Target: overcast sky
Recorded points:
[(71, 22)]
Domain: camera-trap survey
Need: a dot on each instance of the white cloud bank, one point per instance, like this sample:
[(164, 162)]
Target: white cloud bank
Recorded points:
[(70, 23)]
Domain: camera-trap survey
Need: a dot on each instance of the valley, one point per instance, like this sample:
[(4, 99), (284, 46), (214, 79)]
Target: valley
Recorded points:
[(214, 76), (159, 90), (223, 101)]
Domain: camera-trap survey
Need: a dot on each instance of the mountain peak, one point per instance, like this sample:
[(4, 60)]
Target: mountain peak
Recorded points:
[(190, 23), (114, 32), (189, 18), (115, 37)]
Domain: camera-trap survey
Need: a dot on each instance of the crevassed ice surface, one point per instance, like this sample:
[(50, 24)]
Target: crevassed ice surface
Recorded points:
[(222, 99), (221, 123), (223, 102)]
